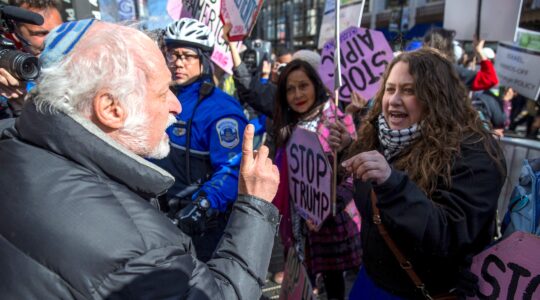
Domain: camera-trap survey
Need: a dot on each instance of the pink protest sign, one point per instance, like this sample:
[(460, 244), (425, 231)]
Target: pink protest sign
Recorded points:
[(206, 11), (242, 15), (296, 283), (310, 176), (510, 269), (364, 56)]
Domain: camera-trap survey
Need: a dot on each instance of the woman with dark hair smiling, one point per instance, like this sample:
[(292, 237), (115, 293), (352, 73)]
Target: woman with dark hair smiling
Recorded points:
[(302, 101), (428, 175)]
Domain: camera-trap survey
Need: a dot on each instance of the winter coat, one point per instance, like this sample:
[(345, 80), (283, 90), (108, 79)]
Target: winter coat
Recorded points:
[(217, 128), (435, 234), (76, 222), (251, 91), (483, 79)]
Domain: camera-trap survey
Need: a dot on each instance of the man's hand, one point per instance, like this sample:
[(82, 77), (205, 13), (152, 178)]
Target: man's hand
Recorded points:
[(368, 166), (259, 177), (10, 87)]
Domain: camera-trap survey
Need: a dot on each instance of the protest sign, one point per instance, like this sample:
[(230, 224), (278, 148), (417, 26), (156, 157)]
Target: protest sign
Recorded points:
[(206, 11), (528, 39), (310, 175), (510, 269), (350, 15), (72, 10), (296, 283), (498, 18), (364, 56), (242, 15), (519, 68)]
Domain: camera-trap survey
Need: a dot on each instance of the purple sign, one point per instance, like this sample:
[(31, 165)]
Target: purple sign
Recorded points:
[(510, 269), (364, 56), (310, 176)]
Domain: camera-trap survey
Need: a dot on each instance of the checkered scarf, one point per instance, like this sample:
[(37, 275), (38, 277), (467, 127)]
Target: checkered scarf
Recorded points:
[(393, 141)]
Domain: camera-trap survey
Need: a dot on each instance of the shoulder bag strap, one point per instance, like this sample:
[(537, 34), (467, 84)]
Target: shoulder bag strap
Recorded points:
[(403, 262)]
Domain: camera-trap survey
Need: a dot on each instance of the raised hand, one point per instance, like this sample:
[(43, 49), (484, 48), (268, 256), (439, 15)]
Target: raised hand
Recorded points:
[(259, 177)]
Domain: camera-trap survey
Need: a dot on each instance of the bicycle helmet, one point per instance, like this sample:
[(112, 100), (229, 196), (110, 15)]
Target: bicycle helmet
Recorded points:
[(188, 32)]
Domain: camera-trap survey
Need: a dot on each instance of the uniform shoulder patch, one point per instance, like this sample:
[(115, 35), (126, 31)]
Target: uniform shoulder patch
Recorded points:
[(227, 130)]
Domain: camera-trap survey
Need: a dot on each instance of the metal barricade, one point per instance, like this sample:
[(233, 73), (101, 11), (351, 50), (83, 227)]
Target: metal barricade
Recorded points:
[(515, 151)]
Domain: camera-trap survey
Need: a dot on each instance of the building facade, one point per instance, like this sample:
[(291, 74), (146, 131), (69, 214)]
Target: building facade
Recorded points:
[(297, 23)]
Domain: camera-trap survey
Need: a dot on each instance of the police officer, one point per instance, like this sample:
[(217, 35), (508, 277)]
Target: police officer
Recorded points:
[(206, 139)]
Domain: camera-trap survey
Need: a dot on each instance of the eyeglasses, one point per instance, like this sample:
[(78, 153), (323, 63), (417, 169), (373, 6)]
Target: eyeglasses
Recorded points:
[(186, 58)]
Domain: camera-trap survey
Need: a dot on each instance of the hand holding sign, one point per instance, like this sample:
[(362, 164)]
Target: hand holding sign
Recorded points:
[(339, 137), (259, 177), (370, 165), (226, 30), (242, 15)]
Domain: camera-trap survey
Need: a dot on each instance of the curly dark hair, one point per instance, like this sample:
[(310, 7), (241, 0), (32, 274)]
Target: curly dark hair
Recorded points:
[(448, 121), (284, 118)]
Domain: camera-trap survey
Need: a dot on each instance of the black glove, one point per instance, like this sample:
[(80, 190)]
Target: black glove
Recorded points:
[(467, 285), (193, 218)]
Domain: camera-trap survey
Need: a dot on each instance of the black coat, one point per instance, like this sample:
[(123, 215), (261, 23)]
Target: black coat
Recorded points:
[(251, 91), (76, 223), (492, 108), (436, 234)]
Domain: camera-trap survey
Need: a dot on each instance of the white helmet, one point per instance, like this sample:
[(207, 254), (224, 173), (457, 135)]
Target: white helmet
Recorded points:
[(188, 32)]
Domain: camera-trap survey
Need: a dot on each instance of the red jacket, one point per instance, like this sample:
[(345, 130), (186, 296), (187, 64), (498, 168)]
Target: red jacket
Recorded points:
[(486, 77)]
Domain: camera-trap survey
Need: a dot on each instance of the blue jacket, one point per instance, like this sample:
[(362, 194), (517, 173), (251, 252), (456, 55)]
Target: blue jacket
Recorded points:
[(216, 147)]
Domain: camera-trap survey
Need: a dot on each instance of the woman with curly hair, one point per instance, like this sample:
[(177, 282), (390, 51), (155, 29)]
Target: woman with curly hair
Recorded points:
[(302, 101), (428, 170)]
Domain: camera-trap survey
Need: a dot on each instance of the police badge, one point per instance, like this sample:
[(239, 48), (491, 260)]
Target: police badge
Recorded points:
[(228, 132)]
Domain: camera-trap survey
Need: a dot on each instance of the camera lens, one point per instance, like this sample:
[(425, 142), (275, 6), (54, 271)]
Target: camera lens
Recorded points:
[(21, 65)]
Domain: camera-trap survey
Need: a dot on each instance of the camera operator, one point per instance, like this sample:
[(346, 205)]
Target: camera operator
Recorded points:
[(30, 39)]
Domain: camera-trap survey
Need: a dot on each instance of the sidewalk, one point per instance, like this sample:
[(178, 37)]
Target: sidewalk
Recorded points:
[(272, 290)]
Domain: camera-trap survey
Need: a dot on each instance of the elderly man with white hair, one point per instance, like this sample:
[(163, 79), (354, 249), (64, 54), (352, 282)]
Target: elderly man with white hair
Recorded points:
[(76, 213)]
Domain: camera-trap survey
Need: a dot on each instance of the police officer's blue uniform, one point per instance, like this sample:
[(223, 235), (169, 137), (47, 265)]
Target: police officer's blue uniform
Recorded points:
[(217, 126), (215, 149)]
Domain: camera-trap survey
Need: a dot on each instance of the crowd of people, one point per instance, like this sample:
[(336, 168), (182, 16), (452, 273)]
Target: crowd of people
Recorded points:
[(131, 171)]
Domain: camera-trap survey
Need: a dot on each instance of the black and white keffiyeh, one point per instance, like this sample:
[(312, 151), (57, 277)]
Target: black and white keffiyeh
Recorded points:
[(393, 141)]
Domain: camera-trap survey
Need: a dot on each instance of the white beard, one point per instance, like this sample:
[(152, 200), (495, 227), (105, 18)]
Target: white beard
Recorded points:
[(134, 136), (163, 148)]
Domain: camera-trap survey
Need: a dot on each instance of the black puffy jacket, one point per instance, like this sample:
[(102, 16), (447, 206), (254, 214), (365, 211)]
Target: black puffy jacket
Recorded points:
[(251, 91), (76, 223)]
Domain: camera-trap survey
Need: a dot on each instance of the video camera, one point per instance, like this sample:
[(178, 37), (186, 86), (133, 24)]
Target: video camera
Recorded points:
[(257, 51), (21, 65)]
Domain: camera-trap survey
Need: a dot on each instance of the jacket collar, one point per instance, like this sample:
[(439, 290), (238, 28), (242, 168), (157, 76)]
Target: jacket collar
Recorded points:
[(81, 141), (190, 88)]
